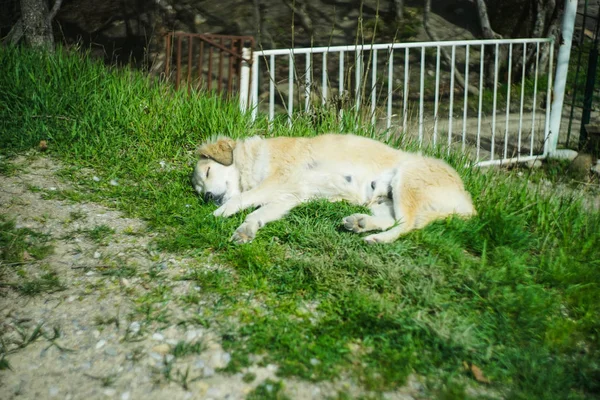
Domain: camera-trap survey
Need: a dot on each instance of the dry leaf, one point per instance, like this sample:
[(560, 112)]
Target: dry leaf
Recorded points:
[(27, 256), (476, 371), (43, 146)]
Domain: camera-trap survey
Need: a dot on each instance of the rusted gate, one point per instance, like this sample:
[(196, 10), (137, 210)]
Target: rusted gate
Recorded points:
[(219, 63)]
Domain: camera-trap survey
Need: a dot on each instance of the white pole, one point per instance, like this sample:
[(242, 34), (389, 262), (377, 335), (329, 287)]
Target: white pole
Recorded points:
[(562, 67), (245, 79)]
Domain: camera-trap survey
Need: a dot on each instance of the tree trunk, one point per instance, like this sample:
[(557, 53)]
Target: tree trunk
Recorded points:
[(459, 78), (37, 24), (398, 10), (484, 22)]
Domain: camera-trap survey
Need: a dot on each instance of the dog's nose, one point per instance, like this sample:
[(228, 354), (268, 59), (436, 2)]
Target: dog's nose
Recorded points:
[(208, 196)]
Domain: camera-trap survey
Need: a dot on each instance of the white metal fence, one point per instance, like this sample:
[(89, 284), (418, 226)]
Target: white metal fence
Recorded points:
[(418, 89)]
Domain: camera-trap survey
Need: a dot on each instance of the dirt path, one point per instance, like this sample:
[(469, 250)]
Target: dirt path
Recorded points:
[(90, 337)]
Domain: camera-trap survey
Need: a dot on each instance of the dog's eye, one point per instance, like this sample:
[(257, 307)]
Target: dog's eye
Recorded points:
[(207, 172)]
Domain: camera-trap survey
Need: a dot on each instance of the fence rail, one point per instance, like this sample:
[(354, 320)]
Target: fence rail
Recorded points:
[(471, 94)]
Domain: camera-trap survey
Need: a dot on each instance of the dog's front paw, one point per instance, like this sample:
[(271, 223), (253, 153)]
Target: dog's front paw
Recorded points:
[(373, 239), (226, 210), (355, 222), (244, 234)]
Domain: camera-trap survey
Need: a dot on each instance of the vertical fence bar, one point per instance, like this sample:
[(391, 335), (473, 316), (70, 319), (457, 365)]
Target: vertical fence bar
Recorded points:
[(481, 72), (451, 110), (524, 62), (341, 84), (421, 96), (168, 39), (210, 63), (405, 97), (495, 102), (255, 67), (324, 83), (466, 100), (358, 77), (220, 83), (292, 68), (178, 74), (436, 96), (373, 85), (231, 61), (271, 88), (535, 82), (551, 134), (390, 91), (308, 78), (200, 63), (509, 78), (189, 66), (341, 75)]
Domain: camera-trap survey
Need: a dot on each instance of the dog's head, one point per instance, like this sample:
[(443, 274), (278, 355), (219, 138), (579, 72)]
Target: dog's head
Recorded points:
[(215, 176)]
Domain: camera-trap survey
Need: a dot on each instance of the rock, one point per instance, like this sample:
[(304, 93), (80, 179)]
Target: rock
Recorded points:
[(161, 348), (532, 164), (100, 344), (158, 337), (110, 351), (580, 167)]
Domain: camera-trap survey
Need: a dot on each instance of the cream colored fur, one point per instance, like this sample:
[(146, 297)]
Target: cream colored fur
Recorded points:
[(404, 191)]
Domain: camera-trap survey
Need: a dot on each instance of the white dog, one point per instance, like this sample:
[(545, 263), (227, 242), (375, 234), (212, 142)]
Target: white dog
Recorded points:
[(404, 191)]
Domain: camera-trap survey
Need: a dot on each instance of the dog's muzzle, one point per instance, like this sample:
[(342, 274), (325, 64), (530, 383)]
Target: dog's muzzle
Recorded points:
[(209, 196)]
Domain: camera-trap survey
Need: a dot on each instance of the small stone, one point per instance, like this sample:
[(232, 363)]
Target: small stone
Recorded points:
[(96, 179), (226, 357), (100, 344), (134, 327), (114, 182), (169, 358), (200, 364), (71, 299), (208, 372), (213, 392), (52, 188), (162, 348), (125, 396), (110, 351), (314, 361), (158, 337), (53, 391), (97, 255), (109, 392)]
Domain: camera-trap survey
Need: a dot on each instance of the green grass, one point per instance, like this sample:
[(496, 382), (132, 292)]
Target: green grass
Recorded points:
[(513, 291)]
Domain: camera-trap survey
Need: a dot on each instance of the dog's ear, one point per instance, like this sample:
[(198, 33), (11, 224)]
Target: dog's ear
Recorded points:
[(221, 151)]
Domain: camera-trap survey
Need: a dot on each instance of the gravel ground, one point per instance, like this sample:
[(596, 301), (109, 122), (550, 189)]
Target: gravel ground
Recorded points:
[(88, 340)]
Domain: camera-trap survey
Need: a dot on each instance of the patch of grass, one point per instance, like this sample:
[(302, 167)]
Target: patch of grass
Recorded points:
[(183, 349), (513, 291), (18, 245), (268, 390), (100, 234), (46, 283)]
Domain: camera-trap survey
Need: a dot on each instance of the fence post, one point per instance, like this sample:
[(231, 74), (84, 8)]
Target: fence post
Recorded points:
[(562, 69), (245, 79)]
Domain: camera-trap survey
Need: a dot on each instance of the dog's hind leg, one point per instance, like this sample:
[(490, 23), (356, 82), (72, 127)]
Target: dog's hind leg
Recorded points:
[(381, 219), (246, 232)]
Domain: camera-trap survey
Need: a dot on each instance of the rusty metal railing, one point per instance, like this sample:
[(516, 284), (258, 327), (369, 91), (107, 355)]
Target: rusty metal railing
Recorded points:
[(219, 63)]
